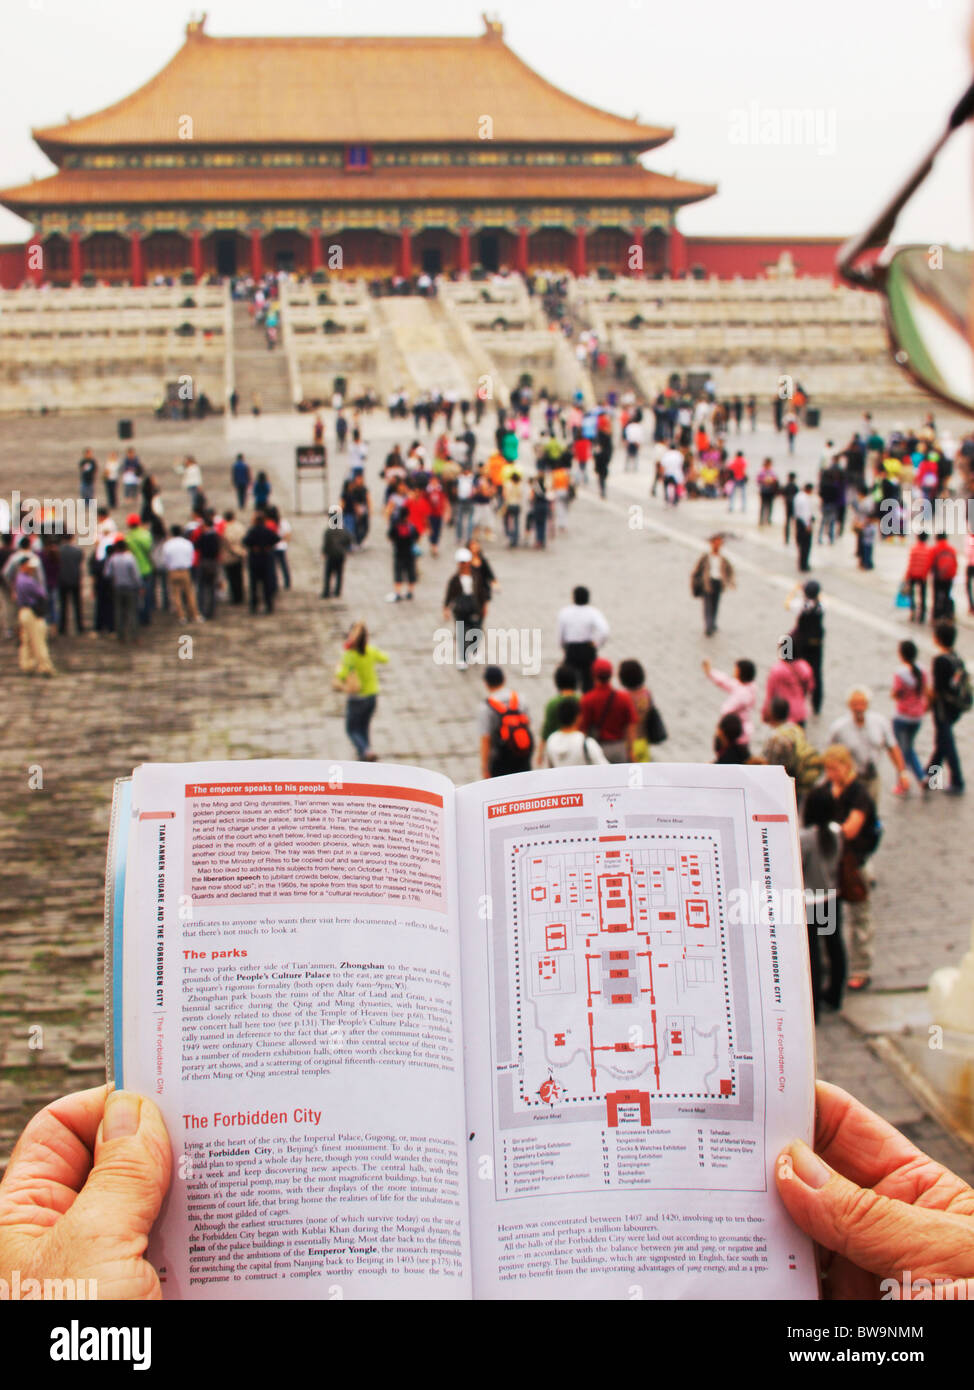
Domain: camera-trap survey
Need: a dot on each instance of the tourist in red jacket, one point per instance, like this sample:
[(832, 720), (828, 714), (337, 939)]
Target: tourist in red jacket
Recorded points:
[(917, 569), (609, 715), (943, 571)]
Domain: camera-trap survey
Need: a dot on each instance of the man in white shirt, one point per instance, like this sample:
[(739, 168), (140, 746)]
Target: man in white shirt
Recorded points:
[(867, 735), (582, 630), (568, 746), (192, 476), (177, 558), (634, 438), (464, 503), (672, 465)]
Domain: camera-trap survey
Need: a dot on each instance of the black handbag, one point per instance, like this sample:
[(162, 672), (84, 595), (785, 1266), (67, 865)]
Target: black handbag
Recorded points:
[(655, 728)]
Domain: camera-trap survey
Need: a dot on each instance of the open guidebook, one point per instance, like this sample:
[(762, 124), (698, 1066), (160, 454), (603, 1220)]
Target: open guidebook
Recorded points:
[(536, 1037)]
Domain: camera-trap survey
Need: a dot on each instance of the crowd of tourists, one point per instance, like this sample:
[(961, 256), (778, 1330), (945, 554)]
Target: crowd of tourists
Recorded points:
[(605, 713), (141, 566), (602, 713)]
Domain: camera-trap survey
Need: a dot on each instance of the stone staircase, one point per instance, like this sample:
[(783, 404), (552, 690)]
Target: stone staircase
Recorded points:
[(256, 370), (415, 343), (607, 381)]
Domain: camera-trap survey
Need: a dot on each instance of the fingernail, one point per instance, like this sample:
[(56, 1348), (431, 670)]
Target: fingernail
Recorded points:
[(809, 1168), (122, 1111)]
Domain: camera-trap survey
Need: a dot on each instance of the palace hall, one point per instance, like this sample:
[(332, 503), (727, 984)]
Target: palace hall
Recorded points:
[(370, 157)]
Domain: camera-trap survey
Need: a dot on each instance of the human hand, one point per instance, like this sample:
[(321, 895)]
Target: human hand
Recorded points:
[(879, 1207), (82, 1189)]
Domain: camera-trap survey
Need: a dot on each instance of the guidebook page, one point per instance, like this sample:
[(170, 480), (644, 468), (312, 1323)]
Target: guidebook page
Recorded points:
[(635, 971), (291, 999)]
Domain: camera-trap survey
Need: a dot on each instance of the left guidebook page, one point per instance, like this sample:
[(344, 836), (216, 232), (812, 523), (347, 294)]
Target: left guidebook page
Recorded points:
[(283, 964)]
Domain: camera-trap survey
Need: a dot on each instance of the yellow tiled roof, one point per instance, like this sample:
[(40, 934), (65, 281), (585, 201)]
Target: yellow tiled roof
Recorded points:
[(346, 90)]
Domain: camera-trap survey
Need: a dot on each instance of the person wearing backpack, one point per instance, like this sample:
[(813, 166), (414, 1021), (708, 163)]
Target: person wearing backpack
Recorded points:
[(506, 740), (403, 536), (711, 575), (943, 571), (951, 696), (788, 747), (808, 634)]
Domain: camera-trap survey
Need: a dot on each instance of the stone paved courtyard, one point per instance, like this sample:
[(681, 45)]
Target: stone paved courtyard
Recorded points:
[(258, 687)]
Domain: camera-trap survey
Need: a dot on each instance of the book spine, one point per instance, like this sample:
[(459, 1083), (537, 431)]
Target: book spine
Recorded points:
[(121, 803)]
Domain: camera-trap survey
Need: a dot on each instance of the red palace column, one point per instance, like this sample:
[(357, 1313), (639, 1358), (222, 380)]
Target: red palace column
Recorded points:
[(464, 251), (196, 253), (521, 255), (578, 252), (136, 274), (75, 258), (315, 249), (677, 248), (405, 253), (636, 242), (34, 261), (256, 255)]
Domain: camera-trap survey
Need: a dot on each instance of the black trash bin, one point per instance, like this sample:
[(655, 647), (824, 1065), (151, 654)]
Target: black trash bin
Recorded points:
[(812, 416), (125, 429)]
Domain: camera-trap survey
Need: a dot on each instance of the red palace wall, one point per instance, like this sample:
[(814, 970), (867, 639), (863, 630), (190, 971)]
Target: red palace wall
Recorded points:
[(750, 257), (13, 262), (726, 257)]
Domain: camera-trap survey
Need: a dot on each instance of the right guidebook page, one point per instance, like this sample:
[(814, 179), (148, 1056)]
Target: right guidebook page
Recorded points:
[(639, 1043)]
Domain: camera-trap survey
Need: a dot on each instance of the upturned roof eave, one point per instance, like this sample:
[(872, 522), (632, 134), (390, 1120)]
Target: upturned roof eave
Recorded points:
[(204, 188), (56, 140)]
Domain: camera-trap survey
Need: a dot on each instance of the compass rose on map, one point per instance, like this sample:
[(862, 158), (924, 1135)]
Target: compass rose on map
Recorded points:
[(549, 1090)]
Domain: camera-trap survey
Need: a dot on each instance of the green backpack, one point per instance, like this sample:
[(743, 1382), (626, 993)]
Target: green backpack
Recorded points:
[(795, 754), (959, 695)]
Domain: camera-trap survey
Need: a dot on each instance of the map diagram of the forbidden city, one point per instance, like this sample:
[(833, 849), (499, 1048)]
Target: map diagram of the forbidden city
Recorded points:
[(622, 978)]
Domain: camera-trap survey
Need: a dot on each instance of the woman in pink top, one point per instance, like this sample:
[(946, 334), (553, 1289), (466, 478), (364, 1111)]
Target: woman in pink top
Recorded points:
[(793, 681), (910, 694), (742, 693), (969, 557)]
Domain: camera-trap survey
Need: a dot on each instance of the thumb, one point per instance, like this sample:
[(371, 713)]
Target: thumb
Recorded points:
[(874, 1232), (130, 1174)]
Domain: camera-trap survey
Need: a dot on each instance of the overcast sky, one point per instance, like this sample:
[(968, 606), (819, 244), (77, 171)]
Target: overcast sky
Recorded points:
[(878, 78)]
